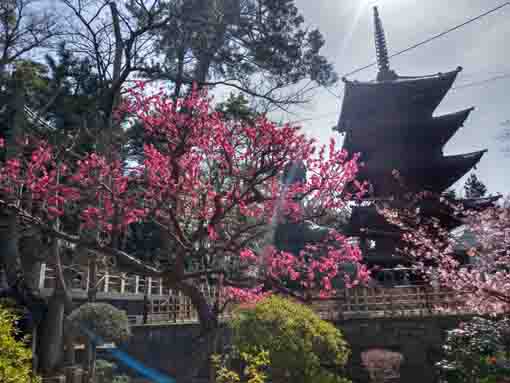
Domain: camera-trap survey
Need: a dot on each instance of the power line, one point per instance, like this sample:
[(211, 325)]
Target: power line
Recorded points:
[(433, 37), (481, 82), (461, 86), (316, 118), (333, 93)]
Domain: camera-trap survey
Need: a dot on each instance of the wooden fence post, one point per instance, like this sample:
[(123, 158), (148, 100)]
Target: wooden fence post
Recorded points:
[(137, 284), (106, 281), (88, 279), (42, 275), (123, 277)]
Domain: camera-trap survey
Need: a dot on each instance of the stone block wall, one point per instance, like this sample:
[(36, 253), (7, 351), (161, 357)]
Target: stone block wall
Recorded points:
[(419, 339)]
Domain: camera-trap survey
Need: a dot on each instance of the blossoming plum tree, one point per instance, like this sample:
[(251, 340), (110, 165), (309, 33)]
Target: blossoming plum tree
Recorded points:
[(212, 186)]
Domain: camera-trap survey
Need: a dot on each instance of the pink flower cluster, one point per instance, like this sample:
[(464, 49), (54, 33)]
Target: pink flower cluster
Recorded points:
[(207, 181), (482, 280)]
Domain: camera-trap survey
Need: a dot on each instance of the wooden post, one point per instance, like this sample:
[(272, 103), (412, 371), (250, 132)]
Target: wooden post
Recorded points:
[(69, 372), (42, 275), (347, 299), (137, 284), (123, 283), (106, 281), (160, 286), (88, 278), (149, 286), (174, 305)]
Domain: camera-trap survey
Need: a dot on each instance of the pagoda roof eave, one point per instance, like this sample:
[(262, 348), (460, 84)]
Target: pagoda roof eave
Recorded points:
[(455, 116), (435, 175), (437, 131), (466, 158), (446, 126), (402, 79), (418, 97), (481, 202), (455, 167)]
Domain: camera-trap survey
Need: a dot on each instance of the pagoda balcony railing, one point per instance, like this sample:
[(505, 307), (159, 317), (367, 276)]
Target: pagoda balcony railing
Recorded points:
[(168, 306), (396, 277)]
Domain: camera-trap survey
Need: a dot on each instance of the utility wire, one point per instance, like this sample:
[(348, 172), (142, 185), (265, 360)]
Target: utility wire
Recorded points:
[(439, 35), (333, 93), (482, 82), (461, 86), (316, 118), (433, 37)]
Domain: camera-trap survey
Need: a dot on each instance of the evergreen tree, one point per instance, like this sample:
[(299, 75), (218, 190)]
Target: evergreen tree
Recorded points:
[(450, 194), (474, 188), (237, 107), (213, 43)]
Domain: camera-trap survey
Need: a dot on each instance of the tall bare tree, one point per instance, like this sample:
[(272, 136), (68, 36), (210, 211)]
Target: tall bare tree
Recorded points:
[(113, 40), (23, 28)]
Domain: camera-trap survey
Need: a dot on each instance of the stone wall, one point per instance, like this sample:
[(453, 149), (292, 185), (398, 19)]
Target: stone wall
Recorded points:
[(419, 339), (164, 347)]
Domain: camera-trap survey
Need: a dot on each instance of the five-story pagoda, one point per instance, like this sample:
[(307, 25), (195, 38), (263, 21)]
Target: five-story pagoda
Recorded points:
[(391, 122)]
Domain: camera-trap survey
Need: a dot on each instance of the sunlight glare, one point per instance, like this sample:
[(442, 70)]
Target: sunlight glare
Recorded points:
[(361, 8)]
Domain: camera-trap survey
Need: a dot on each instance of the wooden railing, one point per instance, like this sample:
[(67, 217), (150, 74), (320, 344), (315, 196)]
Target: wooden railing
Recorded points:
[(166, 305), (108, 282), (363, 302), (357, 303)]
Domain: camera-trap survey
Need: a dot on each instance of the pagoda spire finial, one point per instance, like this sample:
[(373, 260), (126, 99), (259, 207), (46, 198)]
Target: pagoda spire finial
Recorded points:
[(383, 60)]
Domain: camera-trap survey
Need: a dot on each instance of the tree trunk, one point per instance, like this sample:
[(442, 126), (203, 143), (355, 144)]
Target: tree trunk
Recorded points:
[(51, 337), (199, 356), (92, 296), (91, 362), (35, 358), (9, 255), (51, 343), (207, 344), (92, 287)]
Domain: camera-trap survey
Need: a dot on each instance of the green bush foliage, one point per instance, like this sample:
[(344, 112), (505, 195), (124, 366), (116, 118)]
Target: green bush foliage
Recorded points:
[(15, 356), (105, 373), (102, 319), (300, 346), (477, 351), (254, 366)]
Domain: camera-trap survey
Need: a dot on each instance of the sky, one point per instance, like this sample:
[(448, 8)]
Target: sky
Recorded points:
[(480, 48)]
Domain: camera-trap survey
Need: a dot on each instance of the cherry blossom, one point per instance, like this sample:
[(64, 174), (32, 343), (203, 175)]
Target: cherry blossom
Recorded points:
[(472, 261)]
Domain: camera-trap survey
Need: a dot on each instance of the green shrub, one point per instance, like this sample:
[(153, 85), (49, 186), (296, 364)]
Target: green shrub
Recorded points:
[(105, 373), (102, 319), (15, 356), (300, 346), (254, 364), (477, 352)]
